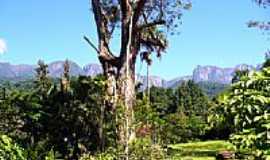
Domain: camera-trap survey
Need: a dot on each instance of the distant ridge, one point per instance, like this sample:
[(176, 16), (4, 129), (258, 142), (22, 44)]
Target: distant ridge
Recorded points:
[(55, 68), (212, 74)]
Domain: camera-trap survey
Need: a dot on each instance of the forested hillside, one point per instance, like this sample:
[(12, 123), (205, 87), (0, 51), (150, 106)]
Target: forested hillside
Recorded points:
[(65, 116)]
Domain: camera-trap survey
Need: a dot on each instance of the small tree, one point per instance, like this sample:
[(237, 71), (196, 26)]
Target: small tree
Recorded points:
[(65, 79), (10, 150), (43, 83)]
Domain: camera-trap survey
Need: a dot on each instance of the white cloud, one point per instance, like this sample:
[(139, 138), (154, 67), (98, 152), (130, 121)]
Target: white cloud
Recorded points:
[(3, 46)]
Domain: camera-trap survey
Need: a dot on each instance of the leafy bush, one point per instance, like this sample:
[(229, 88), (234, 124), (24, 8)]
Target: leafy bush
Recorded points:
[(10, 150), (50, 155), (142, 148), (219, 120), (110, 154), (248, 104), (139, 149)]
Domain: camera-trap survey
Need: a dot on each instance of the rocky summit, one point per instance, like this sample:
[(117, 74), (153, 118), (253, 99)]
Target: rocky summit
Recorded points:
[(200, 73)]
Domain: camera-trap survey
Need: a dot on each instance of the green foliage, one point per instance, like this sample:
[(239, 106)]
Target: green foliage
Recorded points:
[(142, 148), (66, 121), (219, 120), (43, 82), (10, 150), (176, 115), (50, 155), (75, 116), (212, 89), (247, 104), (239, 74), (191, 99), (176, 129), (189, 117), (147, 120), (51, 122), (109, 154), (163, 100)]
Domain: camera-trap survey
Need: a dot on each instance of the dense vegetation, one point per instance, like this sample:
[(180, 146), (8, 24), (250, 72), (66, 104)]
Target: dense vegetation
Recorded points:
[(68, 118), (245, 106)]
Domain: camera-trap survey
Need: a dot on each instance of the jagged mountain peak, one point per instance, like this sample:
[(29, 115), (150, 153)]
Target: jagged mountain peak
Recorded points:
[(218, 74), (92, 69), (56, 68), (208, 73)]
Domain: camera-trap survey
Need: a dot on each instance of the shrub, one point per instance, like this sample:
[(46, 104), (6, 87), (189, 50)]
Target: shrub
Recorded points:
[(142, 148), (10, 150), (110, 154)]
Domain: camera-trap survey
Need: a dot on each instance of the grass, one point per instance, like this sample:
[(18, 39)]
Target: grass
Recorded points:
[(198, 150), (192, 158)]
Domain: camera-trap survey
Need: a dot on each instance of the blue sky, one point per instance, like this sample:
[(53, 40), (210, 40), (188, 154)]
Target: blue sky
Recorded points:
[(214, 32)]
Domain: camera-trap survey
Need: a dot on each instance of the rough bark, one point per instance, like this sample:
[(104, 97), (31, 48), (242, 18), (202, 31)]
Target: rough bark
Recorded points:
[(100, 132)]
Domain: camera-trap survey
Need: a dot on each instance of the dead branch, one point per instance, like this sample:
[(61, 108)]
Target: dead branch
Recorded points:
[(91, 44)]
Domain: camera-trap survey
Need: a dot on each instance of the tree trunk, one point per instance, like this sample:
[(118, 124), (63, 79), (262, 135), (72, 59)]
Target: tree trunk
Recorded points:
[(148, 83), (119, 71), (126, 78), (126, 88), (100, 132), (122, 85)]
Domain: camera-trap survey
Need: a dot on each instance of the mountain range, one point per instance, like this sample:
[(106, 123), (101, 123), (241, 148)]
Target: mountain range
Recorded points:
[(211, 74)]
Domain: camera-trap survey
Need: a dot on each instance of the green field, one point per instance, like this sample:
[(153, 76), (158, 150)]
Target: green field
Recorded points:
[(198, 150)]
